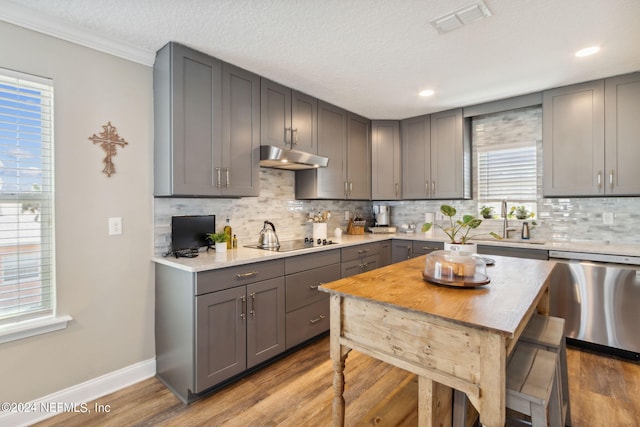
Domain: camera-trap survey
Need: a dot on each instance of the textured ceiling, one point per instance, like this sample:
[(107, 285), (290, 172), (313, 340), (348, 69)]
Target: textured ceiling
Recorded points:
[(373, 56)]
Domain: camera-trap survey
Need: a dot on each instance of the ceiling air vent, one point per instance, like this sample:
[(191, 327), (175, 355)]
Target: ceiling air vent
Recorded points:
[(465, 15)]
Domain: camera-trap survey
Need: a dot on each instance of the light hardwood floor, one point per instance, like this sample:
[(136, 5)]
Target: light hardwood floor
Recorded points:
[(297, 391)]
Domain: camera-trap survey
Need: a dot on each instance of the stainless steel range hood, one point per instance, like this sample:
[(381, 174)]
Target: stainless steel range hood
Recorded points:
[(282, 158)]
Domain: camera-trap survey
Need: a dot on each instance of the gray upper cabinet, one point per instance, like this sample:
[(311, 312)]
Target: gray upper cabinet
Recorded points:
[(622, 135), (288, 118), (416, 157), (385, 160), (590, 138), (450, 155), (436, 156), (573, 140), (344, 138), (207, 118), (358, 157)]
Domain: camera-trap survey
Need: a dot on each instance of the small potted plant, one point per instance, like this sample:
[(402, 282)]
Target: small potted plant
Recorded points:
[(458, 231), (486, 212), (220, 240), (520, 212)]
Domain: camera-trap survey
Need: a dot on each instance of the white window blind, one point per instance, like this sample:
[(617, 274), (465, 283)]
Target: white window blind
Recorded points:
[(26, 197), (507, 171)]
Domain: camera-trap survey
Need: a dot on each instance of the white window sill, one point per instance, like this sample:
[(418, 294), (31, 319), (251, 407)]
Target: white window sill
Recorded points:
[(34, 327)]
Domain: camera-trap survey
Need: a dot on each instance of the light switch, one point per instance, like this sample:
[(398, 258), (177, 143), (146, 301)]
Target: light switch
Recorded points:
[(115, 226)]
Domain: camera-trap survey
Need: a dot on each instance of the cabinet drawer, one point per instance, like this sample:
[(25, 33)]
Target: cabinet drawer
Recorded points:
[(307, 322), (358, 266), (299, 263), (302, 288), (224, 278), (421, 248), (357, 252)]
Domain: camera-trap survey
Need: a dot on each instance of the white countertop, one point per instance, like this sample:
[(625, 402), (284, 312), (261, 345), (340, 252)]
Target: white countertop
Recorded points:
[(212, 260)]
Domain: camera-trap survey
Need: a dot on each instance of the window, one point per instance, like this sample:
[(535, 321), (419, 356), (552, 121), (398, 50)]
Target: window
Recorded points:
[(506, 150), (26, 197)]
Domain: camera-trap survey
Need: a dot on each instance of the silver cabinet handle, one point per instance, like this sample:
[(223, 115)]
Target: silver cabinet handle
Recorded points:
[(287, 136), (396, 191), (350, 187), (316, 320), (253, 304), (611, 179), (294, 136), (426, 187), (315, 287), (409, 250), (227, 172), (243, 310), (599, 180), (219, 178), (363, 251), (346, 190), (433, 188), (246, 275)]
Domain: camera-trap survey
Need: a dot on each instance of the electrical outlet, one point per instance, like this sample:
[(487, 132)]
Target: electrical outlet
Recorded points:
[(607, 218), (346, 215), (115, 226)]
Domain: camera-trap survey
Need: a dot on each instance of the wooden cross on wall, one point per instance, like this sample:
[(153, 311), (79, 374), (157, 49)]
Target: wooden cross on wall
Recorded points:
[(109, 141)]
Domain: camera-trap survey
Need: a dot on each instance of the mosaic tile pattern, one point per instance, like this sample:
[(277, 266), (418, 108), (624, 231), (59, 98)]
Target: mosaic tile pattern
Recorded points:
[(566, 219)]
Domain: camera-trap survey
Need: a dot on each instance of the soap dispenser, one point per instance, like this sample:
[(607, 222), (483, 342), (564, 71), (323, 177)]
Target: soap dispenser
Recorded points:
[(525, 231)]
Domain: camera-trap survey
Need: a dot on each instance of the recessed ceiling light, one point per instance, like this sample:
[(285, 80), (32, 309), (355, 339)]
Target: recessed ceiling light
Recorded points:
[(427, 92), (587, 51)]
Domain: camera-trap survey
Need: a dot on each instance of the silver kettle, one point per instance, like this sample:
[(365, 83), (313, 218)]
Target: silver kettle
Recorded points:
[(268, 238)]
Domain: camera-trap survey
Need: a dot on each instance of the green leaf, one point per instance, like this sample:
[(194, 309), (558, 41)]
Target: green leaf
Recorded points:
[(448, 210), (426, 227)]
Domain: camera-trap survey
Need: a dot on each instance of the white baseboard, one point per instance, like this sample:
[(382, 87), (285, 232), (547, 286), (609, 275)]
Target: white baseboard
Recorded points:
[(75, 398)]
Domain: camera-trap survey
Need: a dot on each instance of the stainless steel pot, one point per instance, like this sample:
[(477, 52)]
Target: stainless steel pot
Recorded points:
[(268, 238)]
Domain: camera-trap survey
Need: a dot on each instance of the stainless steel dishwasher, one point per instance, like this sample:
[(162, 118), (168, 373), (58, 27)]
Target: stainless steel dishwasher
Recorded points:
[(599, 298)]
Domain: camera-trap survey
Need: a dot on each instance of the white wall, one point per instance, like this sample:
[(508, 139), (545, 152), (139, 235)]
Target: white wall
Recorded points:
[(104, 282)]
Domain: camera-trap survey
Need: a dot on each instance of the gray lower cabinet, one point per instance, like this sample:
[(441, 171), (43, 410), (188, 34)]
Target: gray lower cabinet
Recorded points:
[(344, 138), (401, 250), (386, 178), (207, 126), (385, 253), (308, 308), (407, 249), (214, 325), (360, 258)]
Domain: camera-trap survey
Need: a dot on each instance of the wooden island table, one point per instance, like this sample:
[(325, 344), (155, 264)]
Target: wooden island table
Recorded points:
[(451, 338)]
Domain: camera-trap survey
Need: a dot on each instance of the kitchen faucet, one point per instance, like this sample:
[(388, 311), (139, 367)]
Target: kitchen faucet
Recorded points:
[(505, 221)]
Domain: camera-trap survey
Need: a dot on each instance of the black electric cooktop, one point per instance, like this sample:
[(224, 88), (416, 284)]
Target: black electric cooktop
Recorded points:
[(295, 245)]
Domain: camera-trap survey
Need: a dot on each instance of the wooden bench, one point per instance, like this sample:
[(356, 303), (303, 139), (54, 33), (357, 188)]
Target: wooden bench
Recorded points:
[(532, 385), (548, 332)]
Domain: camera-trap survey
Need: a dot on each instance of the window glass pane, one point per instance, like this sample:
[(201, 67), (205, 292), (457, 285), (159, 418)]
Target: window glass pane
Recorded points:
[(26, 197)]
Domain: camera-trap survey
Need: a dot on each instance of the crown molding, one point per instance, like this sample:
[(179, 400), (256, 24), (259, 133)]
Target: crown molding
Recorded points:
[(36, 21)]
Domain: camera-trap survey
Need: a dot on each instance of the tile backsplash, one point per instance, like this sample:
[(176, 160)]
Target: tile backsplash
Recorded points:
[(559, 219), (276, 203)]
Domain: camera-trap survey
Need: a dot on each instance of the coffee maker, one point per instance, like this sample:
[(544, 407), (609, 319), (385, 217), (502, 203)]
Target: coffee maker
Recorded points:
[(382, 215)]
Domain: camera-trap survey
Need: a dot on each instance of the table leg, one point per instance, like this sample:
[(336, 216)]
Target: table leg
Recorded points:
[(338, 355), (434, 403), (493, 381)]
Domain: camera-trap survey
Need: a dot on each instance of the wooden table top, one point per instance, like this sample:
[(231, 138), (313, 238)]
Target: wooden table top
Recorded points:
[(516, 284)]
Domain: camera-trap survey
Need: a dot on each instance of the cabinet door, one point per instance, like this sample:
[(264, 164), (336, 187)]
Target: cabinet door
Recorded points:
[(275, 110), (385, 160), (240, 132), (401, 250), (358, 158), (304, 122), (221, 327), (188, 109), (266, 320), (416, 157), (385, 253), (573, 140), (448, 151), (330, 182), (622, 127)]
